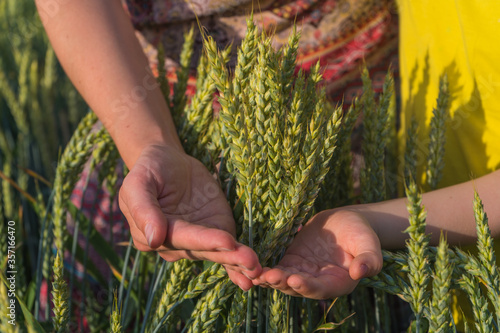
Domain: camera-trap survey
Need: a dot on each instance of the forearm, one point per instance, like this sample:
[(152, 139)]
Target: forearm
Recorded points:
[(449, 209), (96, 44)]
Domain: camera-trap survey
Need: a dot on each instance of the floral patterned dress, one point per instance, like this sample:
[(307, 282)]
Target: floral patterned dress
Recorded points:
[(341, 34)]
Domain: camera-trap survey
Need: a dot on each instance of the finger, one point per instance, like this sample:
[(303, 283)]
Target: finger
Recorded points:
[(275, 278), (188, 236), (260, 280), (322, 286), (239, 279), (139, 203), (243, 259), (183, 235), (367, 254), (365, 265)]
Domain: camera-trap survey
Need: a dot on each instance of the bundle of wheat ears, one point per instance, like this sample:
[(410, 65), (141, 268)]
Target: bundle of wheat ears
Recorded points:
[(281, 152)]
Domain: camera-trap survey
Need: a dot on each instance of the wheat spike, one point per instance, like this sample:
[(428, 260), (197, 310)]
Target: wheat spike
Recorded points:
[(60, 297), (210, 306), (115, 326), (410, 157), (198, 114), (69, 168), (488, 270), (437, 142), (338, 183), (4, 301), (277, 310), (440, 314), (204, 281), (417, 245), (484, 321), (374, 138), (180, 275), (179, 99), (237, 313)]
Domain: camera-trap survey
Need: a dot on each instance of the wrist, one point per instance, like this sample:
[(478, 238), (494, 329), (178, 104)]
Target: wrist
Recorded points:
[(132, 141)]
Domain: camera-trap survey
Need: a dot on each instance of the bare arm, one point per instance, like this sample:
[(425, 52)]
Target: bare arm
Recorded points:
[(338, 247), (448, 209), (171, 202), (96, 44)]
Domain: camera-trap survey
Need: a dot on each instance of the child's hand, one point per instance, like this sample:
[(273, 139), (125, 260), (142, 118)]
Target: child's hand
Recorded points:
[(175, 206), (327, 257)]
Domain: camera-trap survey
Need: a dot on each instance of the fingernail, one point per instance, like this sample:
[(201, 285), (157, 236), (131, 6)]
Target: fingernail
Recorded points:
[(149, 231)]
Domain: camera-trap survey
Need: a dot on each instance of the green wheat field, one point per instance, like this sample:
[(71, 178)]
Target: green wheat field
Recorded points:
[(276, 145)]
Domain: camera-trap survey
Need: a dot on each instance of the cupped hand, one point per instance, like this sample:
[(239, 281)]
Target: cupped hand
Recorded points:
[(327, 258), (174, 206)]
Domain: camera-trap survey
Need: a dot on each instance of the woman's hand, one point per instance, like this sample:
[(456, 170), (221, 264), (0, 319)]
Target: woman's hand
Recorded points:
[(176, 207), (327, 258)]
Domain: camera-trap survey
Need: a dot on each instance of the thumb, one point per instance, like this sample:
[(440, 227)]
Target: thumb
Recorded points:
[(366, 264), (139, 203)]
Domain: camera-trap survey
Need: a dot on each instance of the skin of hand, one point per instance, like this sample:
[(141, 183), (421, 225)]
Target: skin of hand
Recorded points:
[(327, 258), (338, 247), (163, 196), (176, 207)]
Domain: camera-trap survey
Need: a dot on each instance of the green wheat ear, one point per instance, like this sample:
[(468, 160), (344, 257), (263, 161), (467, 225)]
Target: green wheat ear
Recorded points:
[(68, 169), (435, 163), (488, 269), (374, 137), (60, 297), (483, 318), (179, 99), (440, 314), (418, 255), (410, 157), (179, 276), (115, 326)]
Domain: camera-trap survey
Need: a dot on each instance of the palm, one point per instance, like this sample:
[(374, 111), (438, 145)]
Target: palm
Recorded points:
[(190, 194), (175, 206), (327, 257)]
